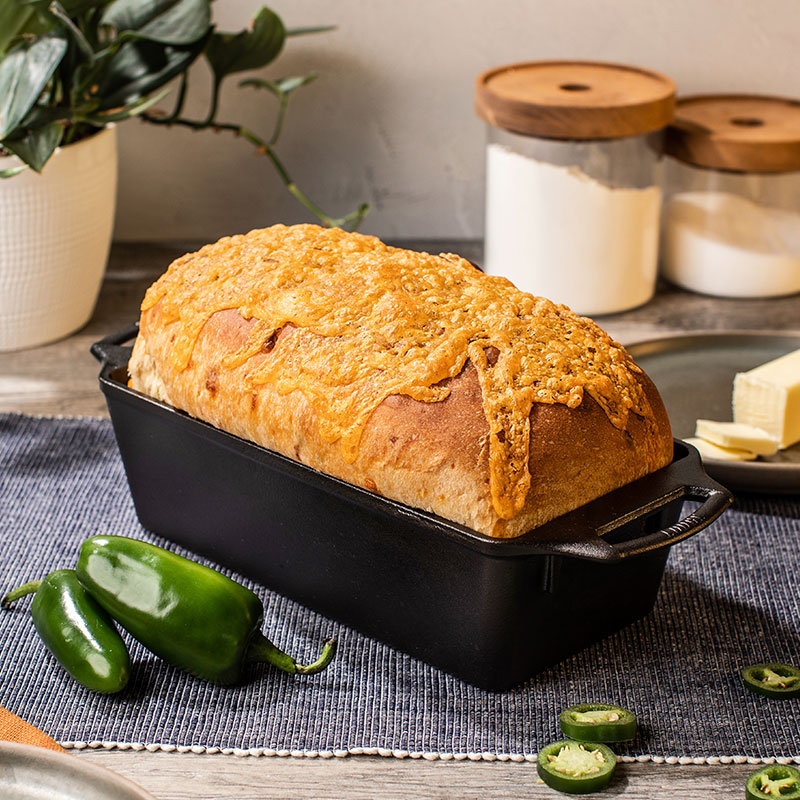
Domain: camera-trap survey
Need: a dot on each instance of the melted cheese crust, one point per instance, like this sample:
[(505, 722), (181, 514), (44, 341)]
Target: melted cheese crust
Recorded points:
[(374, 321)]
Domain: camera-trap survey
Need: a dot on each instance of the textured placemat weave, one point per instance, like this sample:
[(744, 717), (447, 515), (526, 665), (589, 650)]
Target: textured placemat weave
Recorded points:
[(730, 597)]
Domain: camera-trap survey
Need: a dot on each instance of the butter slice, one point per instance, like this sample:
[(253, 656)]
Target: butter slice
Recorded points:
[(768, 397), (714, 451), (737, 435)]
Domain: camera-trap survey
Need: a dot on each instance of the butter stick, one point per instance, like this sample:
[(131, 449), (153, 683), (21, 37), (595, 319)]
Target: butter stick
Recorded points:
[(768, 397), (714, 451), (737, 435)]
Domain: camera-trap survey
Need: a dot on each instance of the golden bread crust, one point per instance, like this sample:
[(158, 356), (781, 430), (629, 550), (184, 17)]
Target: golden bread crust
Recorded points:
[(430, 455)]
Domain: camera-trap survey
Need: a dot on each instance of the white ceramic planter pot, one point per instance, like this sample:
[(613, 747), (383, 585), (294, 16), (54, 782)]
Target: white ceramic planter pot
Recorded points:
[(55, 233)]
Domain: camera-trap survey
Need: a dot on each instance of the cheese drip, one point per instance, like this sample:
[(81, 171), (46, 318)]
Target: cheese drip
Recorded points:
[(374, 321)]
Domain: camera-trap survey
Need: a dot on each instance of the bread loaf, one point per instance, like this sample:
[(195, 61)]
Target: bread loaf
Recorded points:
[(414, 376)]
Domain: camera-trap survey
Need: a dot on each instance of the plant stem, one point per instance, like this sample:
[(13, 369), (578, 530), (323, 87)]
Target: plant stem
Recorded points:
[(266, 148), (69, 133), (212, 111), (181, 98), (276, 132)]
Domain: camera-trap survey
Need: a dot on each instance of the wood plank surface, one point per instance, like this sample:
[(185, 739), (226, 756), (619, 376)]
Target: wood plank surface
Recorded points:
[(187, 776), (61, 379)]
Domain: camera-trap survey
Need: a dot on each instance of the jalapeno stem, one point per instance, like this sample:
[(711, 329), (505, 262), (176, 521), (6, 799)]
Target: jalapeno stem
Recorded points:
[(328, 651), (20, 591), (261, 649)]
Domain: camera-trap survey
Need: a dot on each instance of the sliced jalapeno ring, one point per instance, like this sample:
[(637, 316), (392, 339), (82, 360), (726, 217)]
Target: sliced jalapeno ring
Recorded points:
[(775, 781), (773, 680), (576, 767), (598, 722)]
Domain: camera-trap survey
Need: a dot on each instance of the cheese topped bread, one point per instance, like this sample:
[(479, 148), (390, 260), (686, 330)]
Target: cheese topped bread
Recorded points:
[(415, 376)]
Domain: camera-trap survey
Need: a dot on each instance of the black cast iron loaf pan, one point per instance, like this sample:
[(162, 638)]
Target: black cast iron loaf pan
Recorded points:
[(492, 612)]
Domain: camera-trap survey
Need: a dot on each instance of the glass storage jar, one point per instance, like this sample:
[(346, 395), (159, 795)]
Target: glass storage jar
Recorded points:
[(731, 225), (573, 179)]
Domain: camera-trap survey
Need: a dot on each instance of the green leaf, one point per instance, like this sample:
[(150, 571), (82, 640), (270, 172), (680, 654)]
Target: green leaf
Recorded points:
[(60, 13), (281, 87), (139, 68), (24, 72), (37, 146), (176, 22), (28, 18), (251, 49), (74, 8), (12, 171), (130, 110), (14, 15), (41, 115), (77, 7)]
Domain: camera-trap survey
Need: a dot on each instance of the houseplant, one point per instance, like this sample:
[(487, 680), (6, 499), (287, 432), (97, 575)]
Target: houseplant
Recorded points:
[(70, 70)]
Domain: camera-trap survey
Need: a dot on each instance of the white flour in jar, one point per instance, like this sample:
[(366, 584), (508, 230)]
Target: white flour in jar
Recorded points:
[(557, 233), (723, 244)]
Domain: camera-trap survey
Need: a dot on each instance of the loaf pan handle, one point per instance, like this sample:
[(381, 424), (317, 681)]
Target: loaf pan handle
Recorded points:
[(110, 350), (696, 485), (714, 501), (589, 533)]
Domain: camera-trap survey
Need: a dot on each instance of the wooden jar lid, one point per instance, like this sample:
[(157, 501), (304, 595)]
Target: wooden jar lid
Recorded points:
[(747, 133), (575, 99)]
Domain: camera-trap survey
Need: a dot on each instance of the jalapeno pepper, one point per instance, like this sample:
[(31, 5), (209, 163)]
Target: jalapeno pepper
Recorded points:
[(598, 722), (775, 781), (576, 767), (77, 631), (772, 680), (186, 613)]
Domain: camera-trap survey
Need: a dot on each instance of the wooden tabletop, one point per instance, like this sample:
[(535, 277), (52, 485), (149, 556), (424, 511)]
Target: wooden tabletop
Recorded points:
[(61, 379)]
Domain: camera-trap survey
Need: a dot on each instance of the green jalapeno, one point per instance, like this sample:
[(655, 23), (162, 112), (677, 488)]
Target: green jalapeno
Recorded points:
[(775, 781), (598, 722), (576, 767), (186, 613), (77, 631), (772, 680)]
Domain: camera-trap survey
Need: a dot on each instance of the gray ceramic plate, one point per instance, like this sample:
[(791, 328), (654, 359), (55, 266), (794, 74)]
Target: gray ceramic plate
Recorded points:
[(694, 373), (34, 773)]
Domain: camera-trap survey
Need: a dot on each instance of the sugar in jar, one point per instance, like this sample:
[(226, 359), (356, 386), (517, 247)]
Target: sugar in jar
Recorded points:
[(573, 179), (731, 225)]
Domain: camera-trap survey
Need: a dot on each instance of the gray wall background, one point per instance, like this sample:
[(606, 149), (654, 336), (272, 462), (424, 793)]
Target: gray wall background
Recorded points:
[(390, 119)]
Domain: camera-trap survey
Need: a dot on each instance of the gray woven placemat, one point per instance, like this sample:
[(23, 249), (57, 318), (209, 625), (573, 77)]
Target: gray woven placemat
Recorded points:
[(730, 597)]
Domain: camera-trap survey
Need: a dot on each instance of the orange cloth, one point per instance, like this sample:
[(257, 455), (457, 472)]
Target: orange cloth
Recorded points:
[(14, 729)]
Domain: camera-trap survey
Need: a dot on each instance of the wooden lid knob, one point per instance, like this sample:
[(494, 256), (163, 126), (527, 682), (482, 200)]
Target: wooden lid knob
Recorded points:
[(746, 133), (575, 99)]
